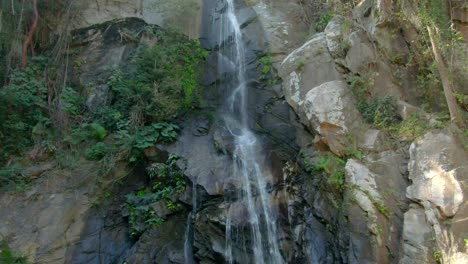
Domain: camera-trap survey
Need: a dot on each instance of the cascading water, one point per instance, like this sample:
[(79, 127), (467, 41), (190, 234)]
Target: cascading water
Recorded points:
[(188, 247), (248, 157)]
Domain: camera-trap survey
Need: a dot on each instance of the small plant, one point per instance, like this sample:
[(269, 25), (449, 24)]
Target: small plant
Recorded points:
[(7, 256), (72, 101), (265, 64), (437, 255), (300, 65), (148, 136), (383, 209), (334, 167), (413, 127), (97, 151), (322, 23), (169, 181)]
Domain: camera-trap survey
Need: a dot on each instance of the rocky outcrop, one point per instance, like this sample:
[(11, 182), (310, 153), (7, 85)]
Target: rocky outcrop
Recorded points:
[(180, 15), (438, 171), (376, 202)]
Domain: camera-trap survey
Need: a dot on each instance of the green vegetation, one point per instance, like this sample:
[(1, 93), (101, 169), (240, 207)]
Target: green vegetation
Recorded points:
[(7, 256), (437, 255), (322, 23), (23, 107), (168, 181), (333, 167), (161, 81), (382, 112), (157, 84), (378, 111), (265, 65)]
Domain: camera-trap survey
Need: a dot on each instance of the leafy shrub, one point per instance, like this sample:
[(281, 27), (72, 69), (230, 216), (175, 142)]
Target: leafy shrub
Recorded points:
[(86, 132), (97, 151), (169, 181), (381, 111), (7, 256), (410, 129), (333, 167), (72, 101), (148, 136), (323, 21), (23, 104), (161, 80), (10, 176), (378, 111)]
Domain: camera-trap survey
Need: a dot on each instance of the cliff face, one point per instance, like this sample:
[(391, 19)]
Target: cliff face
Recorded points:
[(345, 189)]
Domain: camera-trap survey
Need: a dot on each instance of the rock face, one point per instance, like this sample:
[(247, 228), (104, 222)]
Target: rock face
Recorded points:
[(398, 204), (438, 170), (376, 199), (183, 16)]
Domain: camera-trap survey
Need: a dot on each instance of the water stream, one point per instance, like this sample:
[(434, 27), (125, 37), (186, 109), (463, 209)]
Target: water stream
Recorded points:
[(248, 157)]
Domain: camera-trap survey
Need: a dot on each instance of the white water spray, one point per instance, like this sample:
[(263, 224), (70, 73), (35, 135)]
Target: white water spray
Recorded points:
[(247, 155)]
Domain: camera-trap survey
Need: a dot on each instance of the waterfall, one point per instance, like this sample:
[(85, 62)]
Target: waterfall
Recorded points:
[(189, 234), (249, 167)]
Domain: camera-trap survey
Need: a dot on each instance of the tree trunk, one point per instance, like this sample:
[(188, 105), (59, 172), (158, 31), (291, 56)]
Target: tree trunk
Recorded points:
[(455, 113), (28, 40)]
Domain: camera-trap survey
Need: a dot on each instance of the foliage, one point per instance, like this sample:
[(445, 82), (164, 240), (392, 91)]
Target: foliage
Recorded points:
[(437, 255), (378, 111), (7, 256), (169, 180), (411, 128), (381, 111), (322, 23), (97, 151), (135, 143), (11, 176), (23, 105), (265, 65), (160, 81), (72, 101), (86, 132), (333, 167)]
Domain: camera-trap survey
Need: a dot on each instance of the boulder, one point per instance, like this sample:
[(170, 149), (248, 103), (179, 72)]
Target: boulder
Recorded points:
[(438, 172), (183, 16), (330, 110), (335, 35), (416, 236), (406, 110), (436, 168), (305, 68), (361, 55)]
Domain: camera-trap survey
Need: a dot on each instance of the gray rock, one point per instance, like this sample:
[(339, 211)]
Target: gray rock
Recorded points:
[(305, 68), (335, 35), (330, 110), (97, 98), (361, 54), (406, 110), (416, 236), (436, 168)]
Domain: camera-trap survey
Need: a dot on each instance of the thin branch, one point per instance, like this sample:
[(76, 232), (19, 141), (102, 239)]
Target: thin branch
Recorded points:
[(28, 41)]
